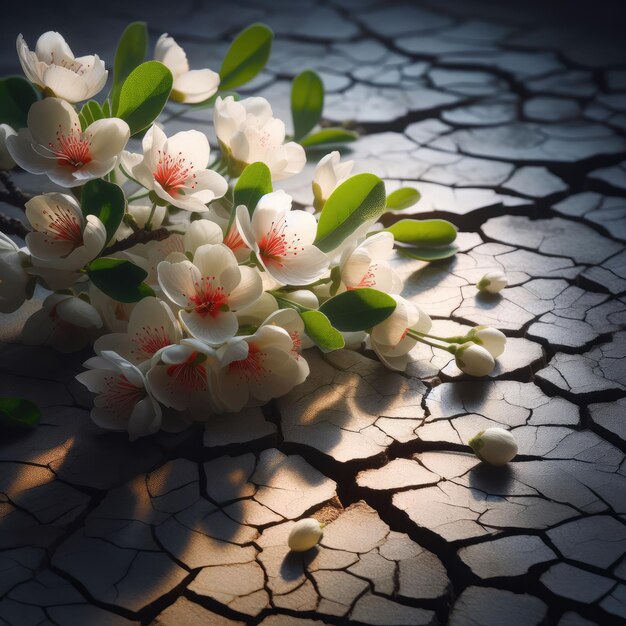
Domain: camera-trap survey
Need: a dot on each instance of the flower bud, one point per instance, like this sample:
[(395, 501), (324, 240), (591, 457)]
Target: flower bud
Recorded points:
[(489, 338), (474, 359), (6, 160), (305, 534), (495, 446), (492, 282)]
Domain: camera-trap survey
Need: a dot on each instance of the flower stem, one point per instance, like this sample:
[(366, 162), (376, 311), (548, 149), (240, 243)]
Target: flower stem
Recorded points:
[(148, 225), (419, 337), (138, 196), (317, 283), (455, 339)]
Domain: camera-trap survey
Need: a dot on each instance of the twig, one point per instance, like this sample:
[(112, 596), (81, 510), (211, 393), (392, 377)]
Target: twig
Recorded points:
[(13, 226), (141, 236), (12, 194)]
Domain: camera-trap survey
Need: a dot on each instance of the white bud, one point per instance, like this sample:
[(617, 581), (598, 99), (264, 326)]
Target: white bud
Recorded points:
[(6, 160), (489, 338), (494, 445), (492, 282), (474, 359), (305, 297), (305, 534)]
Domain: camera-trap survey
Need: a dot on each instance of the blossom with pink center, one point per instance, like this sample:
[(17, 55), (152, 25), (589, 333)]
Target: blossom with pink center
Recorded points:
[(209, 290), (151, 327), (62, 237), (190, 86), (175, 169), (53, 67), (257, 368), (54, 144), (248, 133), (182, 378), (282, 240), (123, 400), (390, 339), (364, 265)]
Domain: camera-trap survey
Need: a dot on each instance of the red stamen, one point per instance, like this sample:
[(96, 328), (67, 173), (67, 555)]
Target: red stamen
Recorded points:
[(149, 341), (120, 396), (275, 246), (63, 225), (209, 300), (72, 150), (250, 367), (188, 376), (172, 173)]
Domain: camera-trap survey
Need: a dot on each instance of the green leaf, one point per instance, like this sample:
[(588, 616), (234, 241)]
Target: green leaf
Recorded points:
[(106, 108), (328, 137), (246, 57), (320, 330), (144, 94), (423, 232), (307, 102), (358, 309), (90, 112), (16, 97), (18, 413), (356, 201), (403, 198), (106, 201), (120, 279), (428, 254), (255, 181), (131, 52)]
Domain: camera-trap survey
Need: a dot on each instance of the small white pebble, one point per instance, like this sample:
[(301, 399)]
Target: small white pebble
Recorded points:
[(305, 534)]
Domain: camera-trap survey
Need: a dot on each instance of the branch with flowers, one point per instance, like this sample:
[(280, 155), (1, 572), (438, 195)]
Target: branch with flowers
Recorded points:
[(198, 283)]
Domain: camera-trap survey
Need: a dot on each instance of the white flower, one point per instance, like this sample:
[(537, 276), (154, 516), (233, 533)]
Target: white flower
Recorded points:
[(248, 132), (65, 323), (190, 86), (6, 160), (151, 327), (256, 368), (13, 277), (329, 174), (140, 213), (363, 265), (175, 168), (494, 445), (53, 144), (390, 338), (492, 282), (53, 67), (114, 314), (290, 320), (305, 534), (62, 238), (493, 340), (282, 239), (123, 400), (474, 359), (182, 378), (209, 290), (201, 232), (257, 312)]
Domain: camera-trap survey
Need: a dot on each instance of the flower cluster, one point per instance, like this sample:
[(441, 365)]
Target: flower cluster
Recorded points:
[(199, 284)]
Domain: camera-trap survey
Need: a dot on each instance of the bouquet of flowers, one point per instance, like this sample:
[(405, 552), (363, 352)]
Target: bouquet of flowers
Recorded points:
[(197, 281)]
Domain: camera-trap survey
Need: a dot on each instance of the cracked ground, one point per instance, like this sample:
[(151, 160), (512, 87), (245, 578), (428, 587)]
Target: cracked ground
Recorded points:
[(511, 121)]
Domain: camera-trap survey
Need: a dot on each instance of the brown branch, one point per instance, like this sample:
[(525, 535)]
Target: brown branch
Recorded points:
[(12, 226), (140, 236), (12, 194)]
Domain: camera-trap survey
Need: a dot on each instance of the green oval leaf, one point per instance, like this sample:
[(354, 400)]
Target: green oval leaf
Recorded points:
[(318, 327), (144, 94), (307, 102), (131, 52), (403, 198), (356, 201), (427, 254), (18, 413), (359, 309), (255, 181), (120, 279), (246, 57), (90, 112), (16, 97), (106, 201), (329, 137), (423, 232)]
